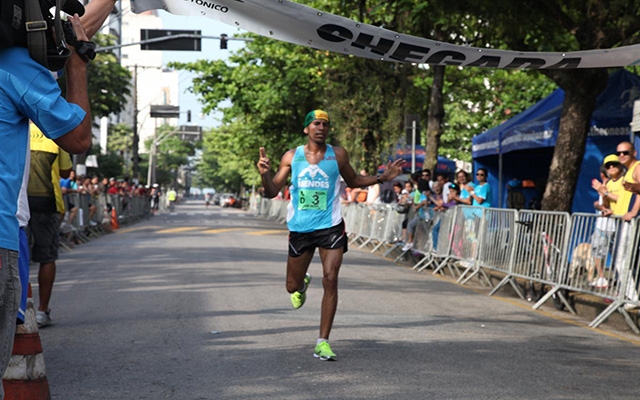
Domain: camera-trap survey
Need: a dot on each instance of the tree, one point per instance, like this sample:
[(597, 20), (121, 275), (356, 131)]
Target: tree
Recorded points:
[(271, 85), (555, 25), (172, 153), (109, 82)]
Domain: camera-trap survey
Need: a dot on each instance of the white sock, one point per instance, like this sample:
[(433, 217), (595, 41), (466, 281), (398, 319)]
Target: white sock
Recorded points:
[(320, 341), (304, 287)]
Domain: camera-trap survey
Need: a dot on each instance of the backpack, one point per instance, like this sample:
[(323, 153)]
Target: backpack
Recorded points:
[(515, 199), (45, 37), (388, 196)]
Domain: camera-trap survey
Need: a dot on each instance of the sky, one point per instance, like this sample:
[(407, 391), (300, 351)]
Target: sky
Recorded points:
[(210, 51)]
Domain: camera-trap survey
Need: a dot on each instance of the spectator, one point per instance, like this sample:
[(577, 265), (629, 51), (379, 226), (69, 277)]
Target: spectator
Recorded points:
[(609, 190), (436, 197), (481, 193), (419, 216), (69, 186), (86, 190), (444, 182), (360, 195), (454, 193), (415, 186), (373, 194), (397, 191), (405, 202), (155, 198), (112, 188), (626, 153), (465, 187), (424, 180), (29, 92)]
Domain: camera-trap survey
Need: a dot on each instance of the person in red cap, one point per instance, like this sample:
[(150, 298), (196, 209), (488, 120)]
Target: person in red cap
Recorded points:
[(314, 217)]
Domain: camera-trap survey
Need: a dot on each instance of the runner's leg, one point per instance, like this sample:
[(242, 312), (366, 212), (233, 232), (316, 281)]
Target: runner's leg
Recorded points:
[(331, 262), (296, 269)]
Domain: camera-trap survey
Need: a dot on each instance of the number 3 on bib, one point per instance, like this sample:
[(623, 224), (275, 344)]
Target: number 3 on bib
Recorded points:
[(312, 200)]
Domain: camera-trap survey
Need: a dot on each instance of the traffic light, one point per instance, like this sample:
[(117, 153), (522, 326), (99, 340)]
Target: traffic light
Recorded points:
[(223, 41), (188, 115)]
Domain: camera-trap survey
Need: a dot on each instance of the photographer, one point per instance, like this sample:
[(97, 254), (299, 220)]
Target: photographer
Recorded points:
[(28, 91)]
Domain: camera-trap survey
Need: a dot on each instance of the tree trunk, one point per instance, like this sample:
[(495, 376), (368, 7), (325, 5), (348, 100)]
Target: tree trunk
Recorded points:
[(581, 88), (435, 116)]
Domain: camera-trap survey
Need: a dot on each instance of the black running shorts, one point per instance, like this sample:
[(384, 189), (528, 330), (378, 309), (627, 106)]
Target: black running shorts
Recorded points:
[(330, 238), (44, 229)]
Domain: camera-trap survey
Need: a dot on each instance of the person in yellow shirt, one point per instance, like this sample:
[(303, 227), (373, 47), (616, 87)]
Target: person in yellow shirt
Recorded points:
[(171, 198), (48, 163), (614, 200), (627, 155)]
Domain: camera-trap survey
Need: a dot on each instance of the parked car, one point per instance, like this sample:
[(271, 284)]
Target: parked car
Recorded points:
[(227, 199)]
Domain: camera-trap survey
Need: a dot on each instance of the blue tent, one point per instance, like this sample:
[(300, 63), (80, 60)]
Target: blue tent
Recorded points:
[(444, 165), (522, 147)]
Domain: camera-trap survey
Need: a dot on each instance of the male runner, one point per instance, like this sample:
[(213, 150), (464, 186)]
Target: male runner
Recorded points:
[(314, 216)]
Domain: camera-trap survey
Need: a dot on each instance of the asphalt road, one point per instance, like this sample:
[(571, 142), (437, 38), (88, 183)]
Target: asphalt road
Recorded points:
[(192, 305)]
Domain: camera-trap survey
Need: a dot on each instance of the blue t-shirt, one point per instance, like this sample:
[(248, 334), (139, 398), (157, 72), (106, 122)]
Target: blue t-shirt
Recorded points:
[(483, 191), (68, 184), (315, 193), (28, 91), (464, 193)]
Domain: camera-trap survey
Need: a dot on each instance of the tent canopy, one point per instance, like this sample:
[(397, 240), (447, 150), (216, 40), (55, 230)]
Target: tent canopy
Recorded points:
[(444, 165), (522, 147)]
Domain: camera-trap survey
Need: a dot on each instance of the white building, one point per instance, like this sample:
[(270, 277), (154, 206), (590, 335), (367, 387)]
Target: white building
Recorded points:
[(152, 84)]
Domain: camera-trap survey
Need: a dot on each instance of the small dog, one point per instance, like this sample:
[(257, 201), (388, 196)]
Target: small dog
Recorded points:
[(582, 260)]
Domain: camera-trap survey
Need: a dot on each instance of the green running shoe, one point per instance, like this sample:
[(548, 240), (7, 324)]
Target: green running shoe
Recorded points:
[(298, 298), (323, 352)]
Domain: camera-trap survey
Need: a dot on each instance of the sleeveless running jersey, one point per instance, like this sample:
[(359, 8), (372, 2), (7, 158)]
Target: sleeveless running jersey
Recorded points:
[(315, 199)]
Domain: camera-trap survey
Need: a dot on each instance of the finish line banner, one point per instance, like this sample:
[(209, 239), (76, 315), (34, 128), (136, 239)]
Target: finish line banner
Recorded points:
[(299, 24)]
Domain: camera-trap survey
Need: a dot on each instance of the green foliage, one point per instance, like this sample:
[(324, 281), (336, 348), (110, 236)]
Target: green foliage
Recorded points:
[(108, 83), (171, 154), (119, 138), (110, 165), (478, 100), (272, 85)]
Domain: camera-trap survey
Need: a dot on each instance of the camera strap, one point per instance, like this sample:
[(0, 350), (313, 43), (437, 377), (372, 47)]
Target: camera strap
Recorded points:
[(36, 31)]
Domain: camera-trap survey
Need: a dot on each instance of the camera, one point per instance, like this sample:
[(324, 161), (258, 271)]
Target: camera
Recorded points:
[(48, 33)]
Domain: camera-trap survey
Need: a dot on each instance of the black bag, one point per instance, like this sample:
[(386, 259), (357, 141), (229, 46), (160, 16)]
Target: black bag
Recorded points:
[(403, 208), (45, 37)]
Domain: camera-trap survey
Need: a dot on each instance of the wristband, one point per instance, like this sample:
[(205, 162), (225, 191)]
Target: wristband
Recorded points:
[(86, 50), (606, 194), (379, 180)]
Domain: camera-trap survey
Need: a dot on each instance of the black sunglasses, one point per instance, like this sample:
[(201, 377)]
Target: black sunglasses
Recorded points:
[(623, 153), (611, 164), (480, 174)]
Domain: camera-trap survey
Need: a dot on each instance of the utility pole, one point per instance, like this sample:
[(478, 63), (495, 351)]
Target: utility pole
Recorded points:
[(134, 145)]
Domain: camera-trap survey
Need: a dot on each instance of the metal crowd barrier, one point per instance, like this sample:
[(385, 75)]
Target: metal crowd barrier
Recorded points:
[(541, 240), (495, 249), (466, 236), (553, 251), (92, 213)]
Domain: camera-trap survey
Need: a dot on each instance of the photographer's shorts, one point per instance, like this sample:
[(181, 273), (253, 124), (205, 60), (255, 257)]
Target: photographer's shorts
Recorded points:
[(330, 238), (44, 232)]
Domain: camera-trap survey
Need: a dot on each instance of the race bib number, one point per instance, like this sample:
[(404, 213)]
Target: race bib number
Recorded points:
[(312, 200)]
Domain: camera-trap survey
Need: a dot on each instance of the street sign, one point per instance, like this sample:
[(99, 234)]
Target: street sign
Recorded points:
[(182, 44), (164, 111), (190, 132)]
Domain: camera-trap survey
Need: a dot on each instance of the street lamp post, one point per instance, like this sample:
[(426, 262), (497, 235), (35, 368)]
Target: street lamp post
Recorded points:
[(153, 151)]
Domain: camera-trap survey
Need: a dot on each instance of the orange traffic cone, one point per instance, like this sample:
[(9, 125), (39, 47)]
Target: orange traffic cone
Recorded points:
[(25, 378), (114, 219)]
